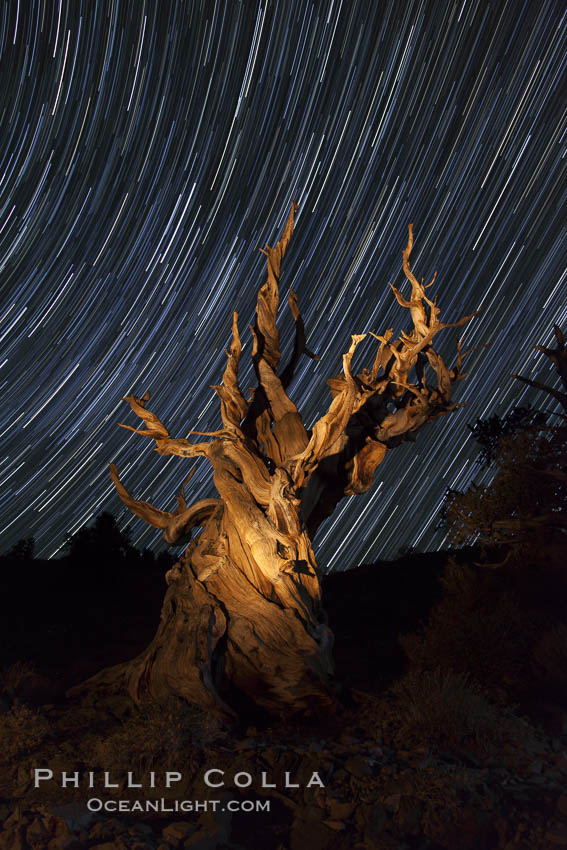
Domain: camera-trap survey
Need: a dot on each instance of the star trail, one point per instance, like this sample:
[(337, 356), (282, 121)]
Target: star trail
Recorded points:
[(150, 149)]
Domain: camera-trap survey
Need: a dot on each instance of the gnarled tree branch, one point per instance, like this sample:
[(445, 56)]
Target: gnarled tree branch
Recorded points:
[(176, 525)]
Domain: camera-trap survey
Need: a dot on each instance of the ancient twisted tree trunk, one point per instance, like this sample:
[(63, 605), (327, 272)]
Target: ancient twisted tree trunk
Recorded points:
[(242, 620)]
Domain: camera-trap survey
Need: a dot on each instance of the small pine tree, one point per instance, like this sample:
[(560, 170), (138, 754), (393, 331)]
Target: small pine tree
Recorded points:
[(103, 541), (526, 502), (23, 550), (489, 433)]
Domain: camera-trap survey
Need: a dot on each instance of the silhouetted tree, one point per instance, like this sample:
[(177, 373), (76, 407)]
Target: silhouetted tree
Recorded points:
[(103, 542), (526, 502), (489, 433), (164, 561), (23, 550)]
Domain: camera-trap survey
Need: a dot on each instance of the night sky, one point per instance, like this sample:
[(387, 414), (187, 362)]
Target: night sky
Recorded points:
[(150, 149)]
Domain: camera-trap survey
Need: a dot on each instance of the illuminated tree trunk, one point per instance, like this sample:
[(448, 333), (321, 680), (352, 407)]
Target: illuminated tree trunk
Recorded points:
[(242, 621)]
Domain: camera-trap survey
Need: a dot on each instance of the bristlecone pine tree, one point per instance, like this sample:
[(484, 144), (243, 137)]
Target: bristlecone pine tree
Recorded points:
[(242, 621), (526, 502)]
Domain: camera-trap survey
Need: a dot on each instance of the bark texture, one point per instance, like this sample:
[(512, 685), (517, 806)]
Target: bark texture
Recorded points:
[(242, 620)]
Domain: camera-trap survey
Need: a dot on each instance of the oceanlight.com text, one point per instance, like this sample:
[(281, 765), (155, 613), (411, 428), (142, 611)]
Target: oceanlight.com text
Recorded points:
[(95, 804)]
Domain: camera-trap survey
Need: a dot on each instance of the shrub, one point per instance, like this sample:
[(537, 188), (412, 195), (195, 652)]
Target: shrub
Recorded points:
[(448, 710), (549, 659), (22, 730), (156, 734), (478, 626), (526, 500), (13, 676), (23, 550)]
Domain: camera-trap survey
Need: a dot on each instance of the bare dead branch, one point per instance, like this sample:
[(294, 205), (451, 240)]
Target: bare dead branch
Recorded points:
[(165, 445), (154, 427), (330, 427), (456, 372), (234, 406), (363, 466), (288, 433), (561, 397), (181, 501), (383, 355), (558, 356), (272, 420), (176, 525), (300, 341), (268, 296), (385, 405)]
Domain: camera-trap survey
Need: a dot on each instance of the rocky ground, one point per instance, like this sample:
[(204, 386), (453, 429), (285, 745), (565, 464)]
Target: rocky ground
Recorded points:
[(416, 757), (377, 792)]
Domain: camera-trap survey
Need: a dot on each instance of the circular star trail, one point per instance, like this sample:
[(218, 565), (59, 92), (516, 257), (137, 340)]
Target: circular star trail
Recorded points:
[(149, 149)]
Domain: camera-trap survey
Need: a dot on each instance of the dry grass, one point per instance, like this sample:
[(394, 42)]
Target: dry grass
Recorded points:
[(449, 711), (478, 627), (156, 735)]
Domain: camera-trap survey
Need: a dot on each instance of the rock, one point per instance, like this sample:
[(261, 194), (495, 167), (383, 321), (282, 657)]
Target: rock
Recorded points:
[(309, 833), (310, 813), (36, 833), (59, 827), (339, 810), (554, 717), (358, 766), (246, 745), (209, 838), (337, 825), (348, 740), (560, 760), (13, 839), (393, 801), (141, 829), (76, 815), (561, 804), (107, 829), (14, 819), (176, 832), (408, 816), (372, 821), (557, 835), (108, 845), (22, 781), (68, 843)]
